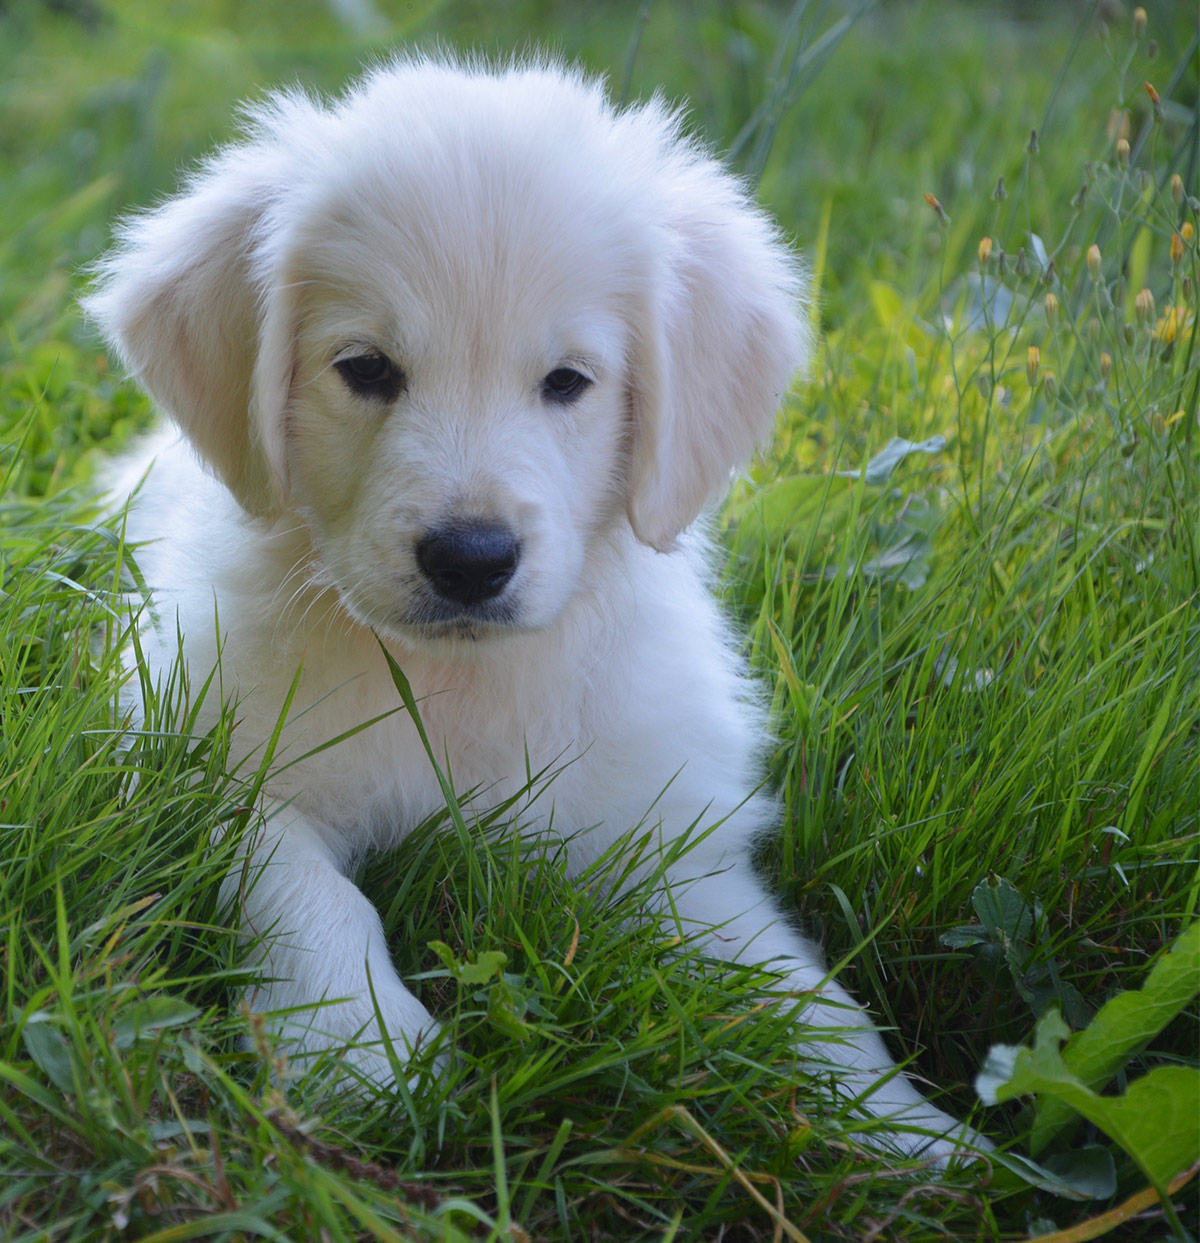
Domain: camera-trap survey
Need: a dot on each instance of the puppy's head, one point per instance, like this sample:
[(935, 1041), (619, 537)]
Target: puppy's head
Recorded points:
[(461, 323)]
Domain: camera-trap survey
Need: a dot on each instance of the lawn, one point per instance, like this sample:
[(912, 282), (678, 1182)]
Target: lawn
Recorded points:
[(982, 648)]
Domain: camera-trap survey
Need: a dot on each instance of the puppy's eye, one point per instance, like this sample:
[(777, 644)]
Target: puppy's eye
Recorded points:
[(564, 385), (371, 375)]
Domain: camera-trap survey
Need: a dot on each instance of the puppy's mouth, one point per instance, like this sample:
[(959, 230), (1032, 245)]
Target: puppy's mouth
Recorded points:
[(436, 620)]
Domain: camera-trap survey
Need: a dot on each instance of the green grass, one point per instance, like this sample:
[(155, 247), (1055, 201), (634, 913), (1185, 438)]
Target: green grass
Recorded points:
[(985, 667)]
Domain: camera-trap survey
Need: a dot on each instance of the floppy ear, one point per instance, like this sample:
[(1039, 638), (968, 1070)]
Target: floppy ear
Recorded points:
[(719, 333), (178, 299)]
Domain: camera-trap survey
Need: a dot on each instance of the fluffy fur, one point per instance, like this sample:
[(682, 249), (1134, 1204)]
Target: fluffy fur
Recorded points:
[(461, 357)]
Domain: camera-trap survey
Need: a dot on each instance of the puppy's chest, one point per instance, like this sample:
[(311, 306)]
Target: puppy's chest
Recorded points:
[(354, 754)]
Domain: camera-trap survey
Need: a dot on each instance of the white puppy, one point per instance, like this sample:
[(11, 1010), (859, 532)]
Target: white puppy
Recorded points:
[(463, 355)]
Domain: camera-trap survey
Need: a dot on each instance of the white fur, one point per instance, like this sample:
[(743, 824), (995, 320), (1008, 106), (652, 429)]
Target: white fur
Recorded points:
[(481, 228)]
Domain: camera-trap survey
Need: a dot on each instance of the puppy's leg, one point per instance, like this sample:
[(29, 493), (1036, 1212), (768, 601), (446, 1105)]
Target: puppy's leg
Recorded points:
[(717, 896), (320, 947)]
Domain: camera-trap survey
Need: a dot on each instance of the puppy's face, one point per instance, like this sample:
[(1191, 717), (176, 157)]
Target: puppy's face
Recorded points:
[(461, 322), (457, 429)]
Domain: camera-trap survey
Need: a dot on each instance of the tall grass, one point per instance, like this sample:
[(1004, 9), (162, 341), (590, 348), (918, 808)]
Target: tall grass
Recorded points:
[(983, 660)]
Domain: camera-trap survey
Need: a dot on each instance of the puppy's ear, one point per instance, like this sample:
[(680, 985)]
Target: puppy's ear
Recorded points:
[(178, 299), (719, 334)]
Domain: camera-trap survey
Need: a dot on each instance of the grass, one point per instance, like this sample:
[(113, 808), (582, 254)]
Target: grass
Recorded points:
[(984, 666)]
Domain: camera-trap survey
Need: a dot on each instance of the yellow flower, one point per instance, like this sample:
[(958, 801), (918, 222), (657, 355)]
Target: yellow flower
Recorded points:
[(1051, 305), (1139, 22), (1033, 361), (985, 250), (1105, 365), (1186, 231), (1176, 248), (1175, 324), (1177, 188), (1123, 152), (1093, 261)]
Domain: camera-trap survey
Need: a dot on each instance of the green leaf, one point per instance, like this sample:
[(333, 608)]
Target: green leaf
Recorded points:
[(1154, 1122), (507, 1005), (486, 966), (1002, 911), (149, 1015), (50, 1051), (1123, 1026)]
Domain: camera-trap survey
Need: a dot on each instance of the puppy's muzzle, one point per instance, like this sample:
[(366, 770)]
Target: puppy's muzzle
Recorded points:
[(469, 563)]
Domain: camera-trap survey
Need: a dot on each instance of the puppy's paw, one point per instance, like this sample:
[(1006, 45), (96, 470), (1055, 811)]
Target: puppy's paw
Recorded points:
[(372, 1041)]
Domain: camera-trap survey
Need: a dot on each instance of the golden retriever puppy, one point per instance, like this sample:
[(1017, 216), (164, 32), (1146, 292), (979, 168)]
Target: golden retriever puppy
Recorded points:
[(459, 359)]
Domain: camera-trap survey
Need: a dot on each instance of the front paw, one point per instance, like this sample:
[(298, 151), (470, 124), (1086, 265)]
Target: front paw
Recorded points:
[(368, 1043)]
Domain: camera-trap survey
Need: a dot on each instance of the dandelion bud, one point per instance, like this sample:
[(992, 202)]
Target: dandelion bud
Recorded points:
[(1049, 276), (1021, 267), (1080, 197), (984, 384), (1158, 423), (1033, 361), (985, 251), (1143, 306), (1032, 145), (1105, 365), (1187, 231), (1051, 305), (1000, 193), (1156, 103), (1093, 328), (1127, 333), (1177, 188), (938, 209), (1093, 261), (1123, 152), (1050, 385), (1139, 22), (1176, 248)]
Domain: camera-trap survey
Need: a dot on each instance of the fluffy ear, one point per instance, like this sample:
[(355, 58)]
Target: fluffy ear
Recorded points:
[(178, 299), (719, 334)]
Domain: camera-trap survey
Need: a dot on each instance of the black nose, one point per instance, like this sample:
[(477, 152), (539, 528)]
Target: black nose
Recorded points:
[(469, 564)]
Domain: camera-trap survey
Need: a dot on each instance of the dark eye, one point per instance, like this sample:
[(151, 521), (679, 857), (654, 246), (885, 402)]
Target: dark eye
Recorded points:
[(371, 375), (564, 385)]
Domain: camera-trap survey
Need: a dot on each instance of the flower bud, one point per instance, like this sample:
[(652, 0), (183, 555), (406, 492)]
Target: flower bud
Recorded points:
[(1021, 267), (1176, 248), (1152, 49), (1032, 145), (1050, 385), (1123, 152), (1127, 333), (938, 209), (1051, 305), (1000, 193), (985, 251), (1033, 361), (1105, 365), (1186, 288), (1139, 22), (1093, 261), (1177, 188), (1080, 197), (1187, 231), (1143, 306)]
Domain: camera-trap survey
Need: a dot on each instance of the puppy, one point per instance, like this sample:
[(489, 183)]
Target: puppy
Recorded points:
[(458, 360)]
